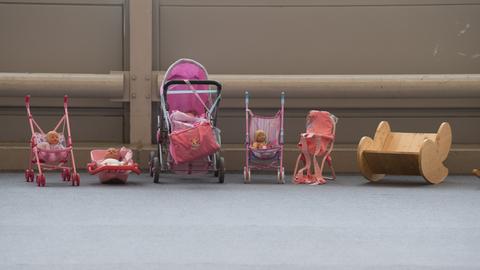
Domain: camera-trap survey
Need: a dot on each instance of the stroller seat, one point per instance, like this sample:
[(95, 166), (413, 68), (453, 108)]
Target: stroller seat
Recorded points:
[(50, 154), (181, 120), (272, 152)]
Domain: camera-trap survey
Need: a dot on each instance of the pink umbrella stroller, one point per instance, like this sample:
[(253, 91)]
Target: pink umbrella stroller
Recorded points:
[(188, 140), (50, 156), (316, 142), (267, 152), (112, 172)]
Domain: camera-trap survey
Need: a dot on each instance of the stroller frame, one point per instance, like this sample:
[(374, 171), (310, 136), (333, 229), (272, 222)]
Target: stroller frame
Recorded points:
[(66, 174), (249, 164), (161, 159)]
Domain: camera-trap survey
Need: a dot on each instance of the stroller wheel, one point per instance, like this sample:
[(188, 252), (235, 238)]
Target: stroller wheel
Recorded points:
[(156, 170), (29, 175), (281, 175), (150, 163), (246, 175), (66, 175), (41, 180), (221, 170), (75, 179), (217, 165)]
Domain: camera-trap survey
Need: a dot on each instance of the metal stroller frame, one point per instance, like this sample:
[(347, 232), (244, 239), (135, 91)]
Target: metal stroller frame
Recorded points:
[(67, 174)]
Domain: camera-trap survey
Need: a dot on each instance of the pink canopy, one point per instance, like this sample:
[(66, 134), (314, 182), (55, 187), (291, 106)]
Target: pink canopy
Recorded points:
[(186, 69)]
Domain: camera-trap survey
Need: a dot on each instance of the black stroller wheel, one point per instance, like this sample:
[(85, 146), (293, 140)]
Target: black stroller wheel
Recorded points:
[(156, 170), (217, 165), (221, 170), (150, 163)]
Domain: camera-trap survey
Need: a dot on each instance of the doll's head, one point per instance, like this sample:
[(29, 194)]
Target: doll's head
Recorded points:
[(53, 138), (112, 153), (260, 136)]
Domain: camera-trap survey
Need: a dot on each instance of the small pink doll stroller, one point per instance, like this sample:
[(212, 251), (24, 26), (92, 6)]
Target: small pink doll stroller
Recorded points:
[(51, 156), (317, 142), (112, 169), (264, 142), (188, 140)]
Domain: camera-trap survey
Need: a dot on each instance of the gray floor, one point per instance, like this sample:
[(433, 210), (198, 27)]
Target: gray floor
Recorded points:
[(198, 224)]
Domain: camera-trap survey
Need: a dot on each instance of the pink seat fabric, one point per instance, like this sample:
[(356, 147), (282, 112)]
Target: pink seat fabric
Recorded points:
[(53, 154)]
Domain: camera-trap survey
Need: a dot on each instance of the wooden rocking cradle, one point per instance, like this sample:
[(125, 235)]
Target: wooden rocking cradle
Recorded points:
[(398, 153)]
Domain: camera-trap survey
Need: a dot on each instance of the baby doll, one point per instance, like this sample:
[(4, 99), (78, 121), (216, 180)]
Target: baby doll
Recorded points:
[(52, 141), (260, 140), (112, 157)]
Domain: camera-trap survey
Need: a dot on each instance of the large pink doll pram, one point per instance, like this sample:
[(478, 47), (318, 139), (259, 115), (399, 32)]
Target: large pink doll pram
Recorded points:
[(55, 158), (108, 173), (188, 140), (269, 156)]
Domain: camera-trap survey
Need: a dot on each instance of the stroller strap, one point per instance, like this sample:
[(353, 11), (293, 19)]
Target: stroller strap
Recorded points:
[(195, 92)]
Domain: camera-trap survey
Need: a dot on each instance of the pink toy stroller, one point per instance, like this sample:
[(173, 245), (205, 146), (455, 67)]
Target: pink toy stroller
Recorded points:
[(188, 140), (51, 157), (270, 154), (106, 172), (316, 142)]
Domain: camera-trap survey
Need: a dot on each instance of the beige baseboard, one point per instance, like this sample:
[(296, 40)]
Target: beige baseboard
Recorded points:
[(461, 160)]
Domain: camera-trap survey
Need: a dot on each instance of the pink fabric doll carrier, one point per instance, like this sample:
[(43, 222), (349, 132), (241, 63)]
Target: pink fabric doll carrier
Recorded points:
[(108, 173), (270, 157), (55, 157), (188, 140), (316, 143)]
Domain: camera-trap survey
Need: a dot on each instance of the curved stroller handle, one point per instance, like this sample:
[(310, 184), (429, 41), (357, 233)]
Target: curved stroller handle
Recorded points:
[(27, 99), (206, 82), (65, 100), (93, 169)]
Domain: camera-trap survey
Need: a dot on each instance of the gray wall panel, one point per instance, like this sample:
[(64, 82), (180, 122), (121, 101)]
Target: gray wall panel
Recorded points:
[(321, 37), (61, 37), (85, 128)]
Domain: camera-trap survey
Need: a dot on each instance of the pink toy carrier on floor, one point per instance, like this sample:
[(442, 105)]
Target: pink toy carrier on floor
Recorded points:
[(56, 157), (188, 140), (271, 156), (109, 173), (316, 143)]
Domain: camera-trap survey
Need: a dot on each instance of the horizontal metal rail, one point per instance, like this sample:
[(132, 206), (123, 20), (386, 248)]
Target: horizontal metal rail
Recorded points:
[(353, 86), (264, 86), (59, 84)]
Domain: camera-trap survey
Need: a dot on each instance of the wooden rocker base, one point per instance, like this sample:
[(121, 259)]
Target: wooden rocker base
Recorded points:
[(398, 153), (476, 172)]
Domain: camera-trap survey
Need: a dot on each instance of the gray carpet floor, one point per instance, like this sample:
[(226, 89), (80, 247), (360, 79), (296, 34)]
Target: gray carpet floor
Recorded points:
[(184, 223)]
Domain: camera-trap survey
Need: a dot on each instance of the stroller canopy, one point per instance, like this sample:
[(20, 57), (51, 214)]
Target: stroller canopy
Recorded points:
[(186, 69)]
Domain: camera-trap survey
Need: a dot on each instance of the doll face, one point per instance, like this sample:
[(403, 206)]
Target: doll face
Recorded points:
[(260, 136), (112, 153), (53, 137)]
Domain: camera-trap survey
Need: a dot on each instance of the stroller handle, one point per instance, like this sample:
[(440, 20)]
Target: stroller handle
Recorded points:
[(206, 82)]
